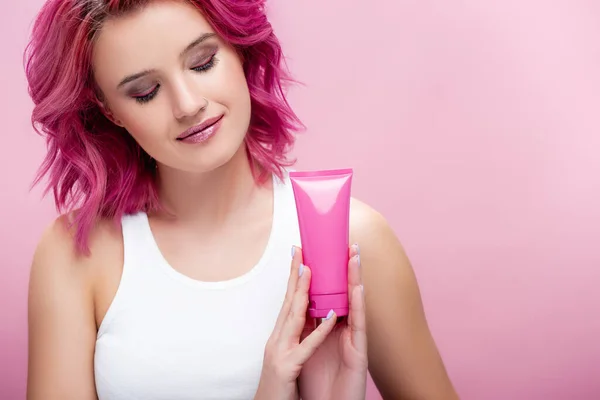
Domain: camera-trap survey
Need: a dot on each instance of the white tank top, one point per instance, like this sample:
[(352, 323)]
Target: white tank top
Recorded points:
[(167, 336)]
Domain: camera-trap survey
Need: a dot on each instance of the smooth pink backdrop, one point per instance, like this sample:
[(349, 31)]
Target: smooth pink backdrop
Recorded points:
[(473, 125)]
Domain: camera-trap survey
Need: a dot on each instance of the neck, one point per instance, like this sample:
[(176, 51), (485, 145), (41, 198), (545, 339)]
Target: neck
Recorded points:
[(209, 198)]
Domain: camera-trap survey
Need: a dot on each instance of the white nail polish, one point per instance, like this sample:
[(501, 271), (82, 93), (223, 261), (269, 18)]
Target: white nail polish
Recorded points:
[(329, 314)]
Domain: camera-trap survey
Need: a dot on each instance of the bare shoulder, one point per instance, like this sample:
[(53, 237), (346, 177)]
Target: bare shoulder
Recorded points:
[(57, 253), (94, 276), (369, 228), (383, 259), (62, 325), (56, 247), (363, 216), (403, 357)]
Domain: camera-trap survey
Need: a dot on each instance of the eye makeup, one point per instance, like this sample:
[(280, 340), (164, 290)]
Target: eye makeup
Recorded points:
[(143, 95), (201, 57)]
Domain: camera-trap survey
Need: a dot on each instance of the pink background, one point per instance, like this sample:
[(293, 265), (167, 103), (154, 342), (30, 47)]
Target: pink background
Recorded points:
[(473, 125)]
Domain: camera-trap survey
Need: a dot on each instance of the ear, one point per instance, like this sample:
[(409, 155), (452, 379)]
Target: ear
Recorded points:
[(114, 120), (109, 114)]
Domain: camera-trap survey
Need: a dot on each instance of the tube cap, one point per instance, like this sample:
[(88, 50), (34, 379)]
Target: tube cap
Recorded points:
[(321, 304)]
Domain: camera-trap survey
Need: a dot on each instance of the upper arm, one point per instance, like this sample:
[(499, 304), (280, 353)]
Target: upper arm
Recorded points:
[(403, 359), (62, 329)]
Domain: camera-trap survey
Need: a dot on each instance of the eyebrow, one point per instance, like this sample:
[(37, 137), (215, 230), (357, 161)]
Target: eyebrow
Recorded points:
[(189, 47), (196, 42)]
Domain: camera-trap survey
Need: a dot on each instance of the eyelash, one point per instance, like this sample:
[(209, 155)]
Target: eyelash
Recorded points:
[(201, 68)]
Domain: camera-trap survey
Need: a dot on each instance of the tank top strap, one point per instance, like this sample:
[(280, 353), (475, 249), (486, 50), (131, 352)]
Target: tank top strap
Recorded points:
[(134, 245)]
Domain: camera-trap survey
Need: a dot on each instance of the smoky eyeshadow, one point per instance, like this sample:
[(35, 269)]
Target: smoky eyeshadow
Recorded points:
[(203, 54), (139, 89), (198, 56)]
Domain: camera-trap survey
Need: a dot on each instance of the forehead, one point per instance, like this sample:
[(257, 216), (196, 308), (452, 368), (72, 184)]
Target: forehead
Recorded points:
[(146, 38)]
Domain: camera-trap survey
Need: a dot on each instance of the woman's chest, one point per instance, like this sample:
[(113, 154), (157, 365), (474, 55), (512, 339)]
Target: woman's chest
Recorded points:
[(207, 350)]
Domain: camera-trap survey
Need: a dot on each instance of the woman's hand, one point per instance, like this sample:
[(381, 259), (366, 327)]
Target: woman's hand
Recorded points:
[(285, 354), (338, 368)]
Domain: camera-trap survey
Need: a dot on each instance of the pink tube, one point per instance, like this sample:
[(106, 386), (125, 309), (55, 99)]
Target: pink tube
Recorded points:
[(323, 206)]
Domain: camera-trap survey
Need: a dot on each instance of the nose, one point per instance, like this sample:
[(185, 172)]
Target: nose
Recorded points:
[(187, 103)]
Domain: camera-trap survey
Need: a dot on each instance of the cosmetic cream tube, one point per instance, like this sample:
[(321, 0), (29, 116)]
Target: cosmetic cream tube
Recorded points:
[(323, 208)]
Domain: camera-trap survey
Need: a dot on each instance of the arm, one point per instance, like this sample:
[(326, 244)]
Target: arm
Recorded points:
[(62, 329), (403, 359)]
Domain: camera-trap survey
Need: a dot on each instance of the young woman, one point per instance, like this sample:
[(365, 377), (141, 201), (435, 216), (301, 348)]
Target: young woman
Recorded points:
[(167, 276)]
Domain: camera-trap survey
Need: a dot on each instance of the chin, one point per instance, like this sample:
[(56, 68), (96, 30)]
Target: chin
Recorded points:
[(216, 155)]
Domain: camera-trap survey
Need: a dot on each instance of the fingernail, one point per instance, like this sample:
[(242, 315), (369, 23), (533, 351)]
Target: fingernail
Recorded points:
[(356, 248), (362, 288), (329, 314), (301, 270), (293, 251), (357, 259)]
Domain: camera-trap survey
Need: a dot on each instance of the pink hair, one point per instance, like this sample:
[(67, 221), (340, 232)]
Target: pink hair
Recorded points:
[(95, 165)]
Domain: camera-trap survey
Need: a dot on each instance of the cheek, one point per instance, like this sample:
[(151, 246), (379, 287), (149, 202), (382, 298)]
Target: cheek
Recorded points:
[(239, 97), (147, 124), (233, 87)]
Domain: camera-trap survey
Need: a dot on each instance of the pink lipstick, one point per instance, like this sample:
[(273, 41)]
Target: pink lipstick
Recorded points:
[(201, 132)]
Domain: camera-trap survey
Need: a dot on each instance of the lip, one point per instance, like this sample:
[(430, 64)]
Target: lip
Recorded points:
[(202, 129)]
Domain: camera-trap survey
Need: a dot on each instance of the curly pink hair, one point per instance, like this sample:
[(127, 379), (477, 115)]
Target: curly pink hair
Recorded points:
[(91, 163)]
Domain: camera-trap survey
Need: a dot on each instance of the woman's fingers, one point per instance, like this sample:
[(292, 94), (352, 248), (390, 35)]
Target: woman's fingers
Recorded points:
[(354, 274), (291, 288), (312, 342), (294, 323), (357, 320)]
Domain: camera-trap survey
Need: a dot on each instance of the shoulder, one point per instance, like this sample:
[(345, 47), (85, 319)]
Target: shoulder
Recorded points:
[(57, 254), (64, 280), (369, 228), (363, 215), (61, 310), (57, 245), (384, 262), (395, 310)]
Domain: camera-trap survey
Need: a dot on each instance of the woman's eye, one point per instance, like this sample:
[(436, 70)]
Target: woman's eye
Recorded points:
[(146, 97), (149, 95), (207, 65)]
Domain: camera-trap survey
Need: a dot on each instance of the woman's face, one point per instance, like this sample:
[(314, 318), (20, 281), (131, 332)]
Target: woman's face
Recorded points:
[(164, 73)]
